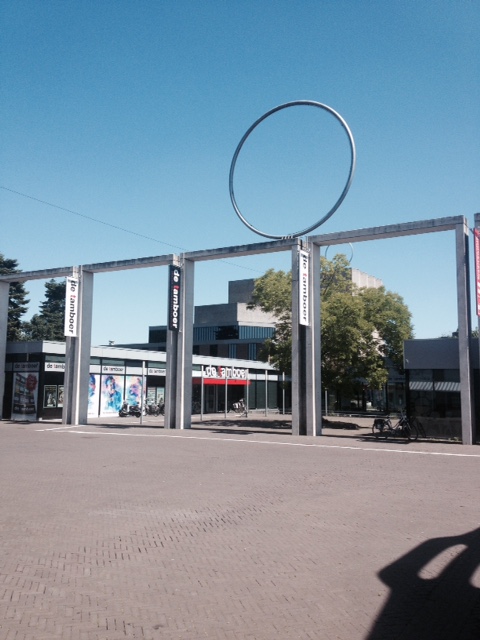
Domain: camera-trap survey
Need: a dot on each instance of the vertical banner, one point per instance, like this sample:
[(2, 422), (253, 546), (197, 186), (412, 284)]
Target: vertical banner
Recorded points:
[(476, 237), (303, 288), (175, 283), (71, 307)]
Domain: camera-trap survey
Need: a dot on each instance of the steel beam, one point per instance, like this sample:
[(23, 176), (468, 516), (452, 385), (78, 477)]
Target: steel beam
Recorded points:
[(389, 231)]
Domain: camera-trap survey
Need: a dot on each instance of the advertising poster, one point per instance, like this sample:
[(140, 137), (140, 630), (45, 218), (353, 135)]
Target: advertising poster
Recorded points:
[(133, 393), (50, 396), (25, 389), (111, 394), (60, 396), (93, 395)]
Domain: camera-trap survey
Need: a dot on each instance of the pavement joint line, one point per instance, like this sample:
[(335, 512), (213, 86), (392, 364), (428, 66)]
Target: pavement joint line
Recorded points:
[(288, 444)]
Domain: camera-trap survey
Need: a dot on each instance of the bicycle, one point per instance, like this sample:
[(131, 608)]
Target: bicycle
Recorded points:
[(240, 407), (403, 428)]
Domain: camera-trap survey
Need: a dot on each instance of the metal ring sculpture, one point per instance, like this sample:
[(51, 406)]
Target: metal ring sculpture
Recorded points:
[(296, 103)]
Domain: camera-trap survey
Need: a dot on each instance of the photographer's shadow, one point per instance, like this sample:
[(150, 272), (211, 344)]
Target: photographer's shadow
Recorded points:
[(435, 592)]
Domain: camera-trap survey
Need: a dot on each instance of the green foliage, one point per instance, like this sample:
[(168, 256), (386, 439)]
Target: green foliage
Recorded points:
[(17, 299), (390, 316), (360, 328), (49, 323)]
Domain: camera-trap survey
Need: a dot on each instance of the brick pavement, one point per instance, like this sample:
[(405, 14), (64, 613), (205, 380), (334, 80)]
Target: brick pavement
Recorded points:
[(234, 532)]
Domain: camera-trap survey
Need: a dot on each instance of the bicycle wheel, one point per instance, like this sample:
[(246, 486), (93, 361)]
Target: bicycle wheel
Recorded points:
[(378, 428), (420, 428), (411, 432)]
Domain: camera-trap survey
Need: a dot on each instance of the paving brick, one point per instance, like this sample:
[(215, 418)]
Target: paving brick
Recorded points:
[(235, 532)]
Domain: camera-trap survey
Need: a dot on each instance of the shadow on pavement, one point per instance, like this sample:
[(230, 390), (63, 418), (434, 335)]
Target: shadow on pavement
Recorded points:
[(435, 592)]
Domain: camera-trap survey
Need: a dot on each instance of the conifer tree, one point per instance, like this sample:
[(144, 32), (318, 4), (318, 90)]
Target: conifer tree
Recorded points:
[(49, 323), (17, 299)]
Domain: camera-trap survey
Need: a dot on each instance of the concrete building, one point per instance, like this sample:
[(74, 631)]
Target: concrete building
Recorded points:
[(232, 329), (226, 330)]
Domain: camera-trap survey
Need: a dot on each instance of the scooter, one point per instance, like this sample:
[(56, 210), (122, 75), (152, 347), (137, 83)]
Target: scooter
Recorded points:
[(132, 410)]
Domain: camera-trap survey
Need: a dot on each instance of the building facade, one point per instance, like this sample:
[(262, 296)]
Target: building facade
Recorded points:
[(35, 376), (432, 381)]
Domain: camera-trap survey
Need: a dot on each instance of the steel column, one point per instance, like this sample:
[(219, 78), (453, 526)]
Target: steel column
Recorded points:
[(464, 332), (178, 392), (306, 390), (84, 345), (4, 293), (313, 354)]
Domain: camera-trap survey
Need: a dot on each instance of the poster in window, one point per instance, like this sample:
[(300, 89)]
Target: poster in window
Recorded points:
[(25, 390), (93, 395), (112, 394), (50, 396), (60, 396), (134, 390)]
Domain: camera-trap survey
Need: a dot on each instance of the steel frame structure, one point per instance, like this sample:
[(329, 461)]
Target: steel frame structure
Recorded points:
[(306, 349)]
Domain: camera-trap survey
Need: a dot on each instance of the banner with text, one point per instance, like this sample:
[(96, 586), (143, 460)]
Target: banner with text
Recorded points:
[(71, 307), (174, 290), (303, 288)]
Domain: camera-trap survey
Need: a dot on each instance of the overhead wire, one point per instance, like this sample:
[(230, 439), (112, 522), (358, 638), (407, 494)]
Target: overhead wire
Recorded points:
[(114, 226)]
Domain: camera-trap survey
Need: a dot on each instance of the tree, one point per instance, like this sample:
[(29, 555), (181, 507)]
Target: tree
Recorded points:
[(17, 299), (360, 328), (49, 323), (273, 294)]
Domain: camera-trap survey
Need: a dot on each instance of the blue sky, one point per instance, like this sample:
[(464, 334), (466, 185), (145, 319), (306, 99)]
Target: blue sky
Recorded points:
[(129, 112)]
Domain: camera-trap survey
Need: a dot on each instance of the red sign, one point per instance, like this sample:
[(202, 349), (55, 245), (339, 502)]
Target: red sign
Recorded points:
[(219, 381), (476, 236)]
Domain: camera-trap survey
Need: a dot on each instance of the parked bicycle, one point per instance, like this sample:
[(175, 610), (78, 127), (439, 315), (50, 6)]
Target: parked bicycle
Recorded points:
[(383, 427), (240, 407)]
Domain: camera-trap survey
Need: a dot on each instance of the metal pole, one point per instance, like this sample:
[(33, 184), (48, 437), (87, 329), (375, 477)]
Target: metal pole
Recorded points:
[(142, 405), (226, 385), (464, 324), (202, 396), (266, 392), (4, 293)]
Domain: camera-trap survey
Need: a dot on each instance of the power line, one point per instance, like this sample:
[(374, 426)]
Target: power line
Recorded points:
[(113, 226), (92, 219)]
